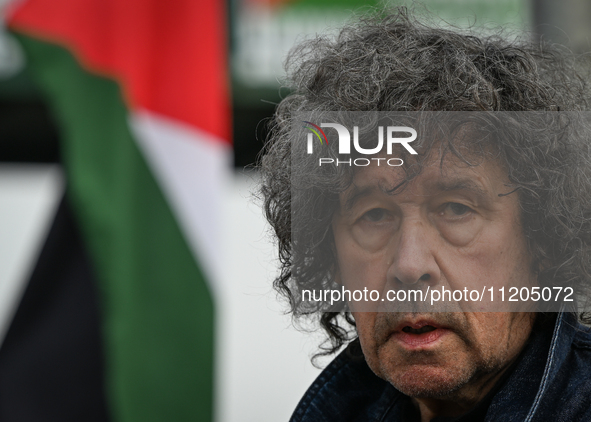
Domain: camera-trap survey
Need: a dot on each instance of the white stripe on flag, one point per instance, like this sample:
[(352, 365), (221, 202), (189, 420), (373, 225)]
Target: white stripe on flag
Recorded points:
[(191, 167), (29, 197)]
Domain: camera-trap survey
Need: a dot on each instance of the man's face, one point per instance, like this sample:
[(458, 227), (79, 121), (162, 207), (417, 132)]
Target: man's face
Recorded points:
[(448, 227)]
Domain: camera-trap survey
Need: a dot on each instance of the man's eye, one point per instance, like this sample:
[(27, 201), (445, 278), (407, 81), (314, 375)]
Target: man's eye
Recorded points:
[(456, 209), (375, 215)]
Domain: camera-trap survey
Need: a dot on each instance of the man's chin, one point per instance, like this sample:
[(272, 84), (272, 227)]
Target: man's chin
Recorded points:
[(423, 381)]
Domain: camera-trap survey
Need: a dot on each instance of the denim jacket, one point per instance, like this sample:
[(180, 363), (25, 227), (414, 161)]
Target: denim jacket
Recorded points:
[(551, 382)]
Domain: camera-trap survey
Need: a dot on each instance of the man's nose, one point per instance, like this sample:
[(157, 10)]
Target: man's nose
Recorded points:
[(414, 258)]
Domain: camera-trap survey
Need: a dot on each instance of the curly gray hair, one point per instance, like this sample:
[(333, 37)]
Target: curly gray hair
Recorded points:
[(393, 62)]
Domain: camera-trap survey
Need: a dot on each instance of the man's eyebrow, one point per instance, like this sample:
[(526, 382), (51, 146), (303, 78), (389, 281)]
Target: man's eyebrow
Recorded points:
[(356, 194), (460, 184), (450, 185)]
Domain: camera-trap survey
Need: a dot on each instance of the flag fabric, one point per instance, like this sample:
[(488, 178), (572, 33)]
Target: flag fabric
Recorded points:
[(139, 90)]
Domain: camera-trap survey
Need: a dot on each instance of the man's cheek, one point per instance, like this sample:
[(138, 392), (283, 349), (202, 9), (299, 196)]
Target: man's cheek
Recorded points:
[(368, 275), (361, 273), (364, 320)]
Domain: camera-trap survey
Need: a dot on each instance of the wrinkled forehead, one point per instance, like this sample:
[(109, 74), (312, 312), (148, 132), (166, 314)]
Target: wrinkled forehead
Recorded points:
[(433, 171)]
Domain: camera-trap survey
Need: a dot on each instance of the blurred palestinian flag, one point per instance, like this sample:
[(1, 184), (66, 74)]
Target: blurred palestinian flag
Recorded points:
[(139, 89)]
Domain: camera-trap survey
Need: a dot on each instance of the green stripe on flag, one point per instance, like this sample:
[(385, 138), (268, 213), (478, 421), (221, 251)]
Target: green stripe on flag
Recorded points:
[(157, 310)]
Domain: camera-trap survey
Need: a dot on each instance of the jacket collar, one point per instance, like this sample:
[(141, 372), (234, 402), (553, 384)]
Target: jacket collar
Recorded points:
[(539, 364)]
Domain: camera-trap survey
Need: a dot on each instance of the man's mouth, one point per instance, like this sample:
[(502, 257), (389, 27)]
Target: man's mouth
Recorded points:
[(425, 329), (419, 334)]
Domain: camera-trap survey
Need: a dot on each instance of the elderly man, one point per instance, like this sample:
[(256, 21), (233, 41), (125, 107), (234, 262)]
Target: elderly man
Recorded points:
[(483, 199)]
